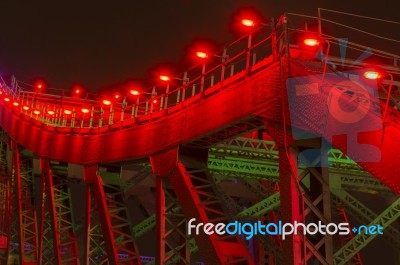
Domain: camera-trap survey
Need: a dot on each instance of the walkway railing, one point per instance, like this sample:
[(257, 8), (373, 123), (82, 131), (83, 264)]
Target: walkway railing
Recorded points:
[(240, 58)]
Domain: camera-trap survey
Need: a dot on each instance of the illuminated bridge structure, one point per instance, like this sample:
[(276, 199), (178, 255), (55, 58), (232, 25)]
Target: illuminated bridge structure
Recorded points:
[(117, 184)]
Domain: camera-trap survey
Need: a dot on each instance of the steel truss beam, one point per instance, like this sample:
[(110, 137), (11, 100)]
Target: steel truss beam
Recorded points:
[(267, 151), (352, 247), (364, 215), (349, 181), (261, 208), (242, 168), (22, 178), (57, 212), (119, 243), (356, 260), (194, 189), (94, 252), (5, 204)]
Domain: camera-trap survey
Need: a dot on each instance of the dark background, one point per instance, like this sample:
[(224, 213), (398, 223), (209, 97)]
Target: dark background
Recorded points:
[(99, 44)]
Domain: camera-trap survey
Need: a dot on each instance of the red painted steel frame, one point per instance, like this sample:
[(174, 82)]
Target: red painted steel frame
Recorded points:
[(48, 179), (95, 183), (256, 95)]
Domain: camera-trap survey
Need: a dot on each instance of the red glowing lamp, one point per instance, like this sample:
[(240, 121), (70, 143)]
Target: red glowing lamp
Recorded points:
[(248, 22), (50, 112), (7, 99), (16, 104), (116, 96), (165, 78), (39, 85), (201, 55), (155, 101), (67, 112), (311, 42), (85, 110), (372, 75), (106, 102), (36, 112), (25, 107), (134, 92)]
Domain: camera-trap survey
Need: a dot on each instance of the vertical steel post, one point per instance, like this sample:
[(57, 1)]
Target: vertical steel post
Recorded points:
[(290, 206), (248, 53), (203, 71), (160, 207), (48, 179), (91, 117), (92, 179), (319, 22), (166, 97), (224, 57), (88, 224)]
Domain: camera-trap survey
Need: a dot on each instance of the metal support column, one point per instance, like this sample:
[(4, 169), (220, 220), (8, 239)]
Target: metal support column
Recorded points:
[(25, 209), (65, 248), (290, 206), (5, 205), (160, 231), (191, 184), (117, 231)]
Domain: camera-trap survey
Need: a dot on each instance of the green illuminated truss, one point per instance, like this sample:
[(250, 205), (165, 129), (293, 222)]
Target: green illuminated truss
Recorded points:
[(364, 215), (252, 160), (263, 207), (352, 247), (230, 160)]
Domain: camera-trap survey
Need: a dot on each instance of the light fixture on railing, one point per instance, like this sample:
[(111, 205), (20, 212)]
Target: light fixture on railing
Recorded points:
[(39, 86), (36, 112), (134, 92), (7, 99), (117, 96), (106, 102), (85, 110), (377, 75), (67, 112), (248, 22), (51, 112), (372, 75), (165, 78), (201, 54), (25, 108), (77, 91), (311, 42), (15, 103)]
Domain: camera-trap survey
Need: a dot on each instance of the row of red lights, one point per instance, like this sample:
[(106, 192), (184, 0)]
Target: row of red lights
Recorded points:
[(310, 42), (36, 111)]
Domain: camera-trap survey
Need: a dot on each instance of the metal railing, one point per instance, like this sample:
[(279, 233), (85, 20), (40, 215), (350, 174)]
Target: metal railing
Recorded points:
[(64, 111), (243, 57)]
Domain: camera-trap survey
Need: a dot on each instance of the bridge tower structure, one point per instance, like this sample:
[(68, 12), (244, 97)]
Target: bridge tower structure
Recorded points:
[(279, 132)]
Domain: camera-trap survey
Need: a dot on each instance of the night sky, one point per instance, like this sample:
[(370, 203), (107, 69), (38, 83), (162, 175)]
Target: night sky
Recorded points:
[(102, 43)]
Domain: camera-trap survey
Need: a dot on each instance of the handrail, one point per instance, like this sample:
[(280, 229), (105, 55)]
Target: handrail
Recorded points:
[(230, 69)]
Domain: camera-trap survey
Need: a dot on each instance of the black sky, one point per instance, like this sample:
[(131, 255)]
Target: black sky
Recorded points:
[(98, 43)]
